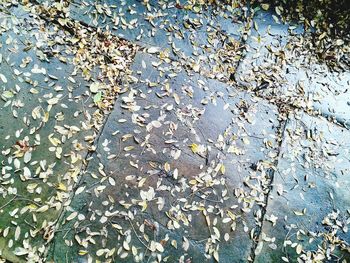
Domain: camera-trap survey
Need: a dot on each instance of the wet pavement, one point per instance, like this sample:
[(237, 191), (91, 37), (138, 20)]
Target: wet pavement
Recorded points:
[(279, 71), (156, 131), (307, 209), (205, 41), (31, 152), (161, 156)]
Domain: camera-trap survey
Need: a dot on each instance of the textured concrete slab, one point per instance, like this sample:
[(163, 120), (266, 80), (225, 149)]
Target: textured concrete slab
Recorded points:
[(160, 164), (307, 216)]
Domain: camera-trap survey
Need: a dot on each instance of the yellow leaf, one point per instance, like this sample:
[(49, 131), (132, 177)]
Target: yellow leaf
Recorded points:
[(61, 187), (142, 181), (194, 147), (143, 204), (54, 140), (232, 215), (32, 207), (222, 169), (177, 98), (193, 182), (167, 167), (174, 243), (46, 117), (196, 9), (265, 6)]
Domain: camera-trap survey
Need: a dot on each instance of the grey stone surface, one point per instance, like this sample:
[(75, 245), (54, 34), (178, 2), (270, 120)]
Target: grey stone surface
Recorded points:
[(281, 73), (206, 38), (326, 91), (41, 116), (200, 108), (160, 23), (307, 215), (203, 150)]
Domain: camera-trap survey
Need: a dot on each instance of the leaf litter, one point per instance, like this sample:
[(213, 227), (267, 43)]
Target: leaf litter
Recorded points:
[(103, 62)]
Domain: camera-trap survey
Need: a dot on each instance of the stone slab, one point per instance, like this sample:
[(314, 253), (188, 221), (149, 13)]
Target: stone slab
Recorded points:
[(275, 71), (44, 120), (307, 215), (197, 147), (208, 38)]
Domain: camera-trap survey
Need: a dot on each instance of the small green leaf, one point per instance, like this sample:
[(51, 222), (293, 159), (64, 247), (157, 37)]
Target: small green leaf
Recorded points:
[(98, 97), (7, 94)]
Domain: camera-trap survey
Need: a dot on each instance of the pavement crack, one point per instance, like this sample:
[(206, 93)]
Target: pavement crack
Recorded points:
[(281, 135)]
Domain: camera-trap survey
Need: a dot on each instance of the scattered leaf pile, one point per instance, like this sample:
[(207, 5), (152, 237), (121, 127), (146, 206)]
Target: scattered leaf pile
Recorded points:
[(55, 114), (177, 145), (326, 24), (325, 17)]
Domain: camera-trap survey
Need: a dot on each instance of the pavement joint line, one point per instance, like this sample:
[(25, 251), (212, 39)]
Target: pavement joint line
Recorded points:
[(83, 170), (244, 39), (281, 129)]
